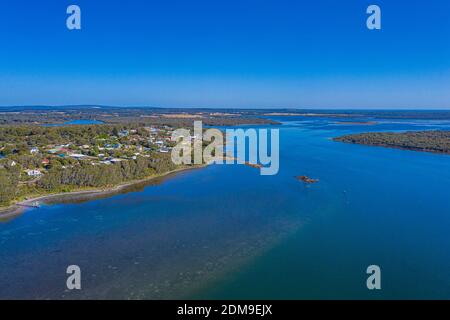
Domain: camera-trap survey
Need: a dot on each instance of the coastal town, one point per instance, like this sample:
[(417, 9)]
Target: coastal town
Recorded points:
[(120, 146), (40, 160)]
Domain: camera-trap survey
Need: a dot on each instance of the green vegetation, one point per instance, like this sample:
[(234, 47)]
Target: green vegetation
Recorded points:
[(428, 141), (88, 175), (9, 180)]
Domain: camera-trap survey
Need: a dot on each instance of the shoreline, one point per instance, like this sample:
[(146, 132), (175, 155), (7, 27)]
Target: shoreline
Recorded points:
[(387, 146), (20, 207)]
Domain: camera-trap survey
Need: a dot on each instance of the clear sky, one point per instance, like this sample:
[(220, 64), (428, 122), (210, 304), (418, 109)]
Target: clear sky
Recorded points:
[(226, 53)]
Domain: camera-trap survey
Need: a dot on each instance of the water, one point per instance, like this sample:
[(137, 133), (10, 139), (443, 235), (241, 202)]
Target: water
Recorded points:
[(227, 232)]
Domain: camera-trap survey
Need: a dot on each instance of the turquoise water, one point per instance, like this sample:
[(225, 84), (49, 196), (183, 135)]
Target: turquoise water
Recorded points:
[(227, 232)]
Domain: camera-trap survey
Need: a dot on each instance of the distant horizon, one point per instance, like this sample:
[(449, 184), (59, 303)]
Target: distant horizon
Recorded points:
[(225, 108)]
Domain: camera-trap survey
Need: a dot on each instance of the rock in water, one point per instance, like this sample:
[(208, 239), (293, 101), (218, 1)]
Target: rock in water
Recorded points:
[(307, 179)]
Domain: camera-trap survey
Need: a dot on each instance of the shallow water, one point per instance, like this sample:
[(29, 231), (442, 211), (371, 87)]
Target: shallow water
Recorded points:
[(227, 232)]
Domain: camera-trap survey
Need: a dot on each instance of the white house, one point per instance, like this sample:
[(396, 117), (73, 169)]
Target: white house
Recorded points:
[(77, 155), (33, 173)]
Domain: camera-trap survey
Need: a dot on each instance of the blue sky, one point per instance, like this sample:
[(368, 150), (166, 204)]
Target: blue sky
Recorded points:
[(217, 53)]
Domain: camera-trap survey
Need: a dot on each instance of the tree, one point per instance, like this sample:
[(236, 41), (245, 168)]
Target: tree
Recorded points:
[(9, 179)]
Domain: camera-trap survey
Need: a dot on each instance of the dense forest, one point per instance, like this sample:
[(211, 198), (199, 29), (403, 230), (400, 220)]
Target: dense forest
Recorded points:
[(428, 141), (9, 181), (86, 175)]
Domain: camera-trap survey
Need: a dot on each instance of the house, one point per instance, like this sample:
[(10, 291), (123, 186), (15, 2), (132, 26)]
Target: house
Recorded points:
[(33, 173), (152, 129), (112, 146), (59, 149), (124, 133), (77, 155)]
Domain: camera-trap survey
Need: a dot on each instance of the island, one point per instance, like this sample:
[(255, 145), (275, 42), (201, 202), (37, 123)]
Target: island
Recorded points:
[(435, 141)]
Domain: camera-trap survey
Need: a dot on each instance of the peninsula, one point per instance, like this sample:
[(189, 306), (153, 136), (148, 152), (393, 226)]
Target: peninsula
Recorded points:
[(37, 161)]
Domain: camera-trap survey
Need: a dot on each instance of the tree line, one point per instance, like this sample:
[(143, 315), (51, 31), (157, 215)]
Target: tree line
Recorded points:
[(430, 141)]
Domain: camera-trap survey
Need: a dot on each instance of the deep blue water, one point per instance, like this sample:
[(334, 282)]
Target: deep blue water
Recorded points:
[(227, 232)]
